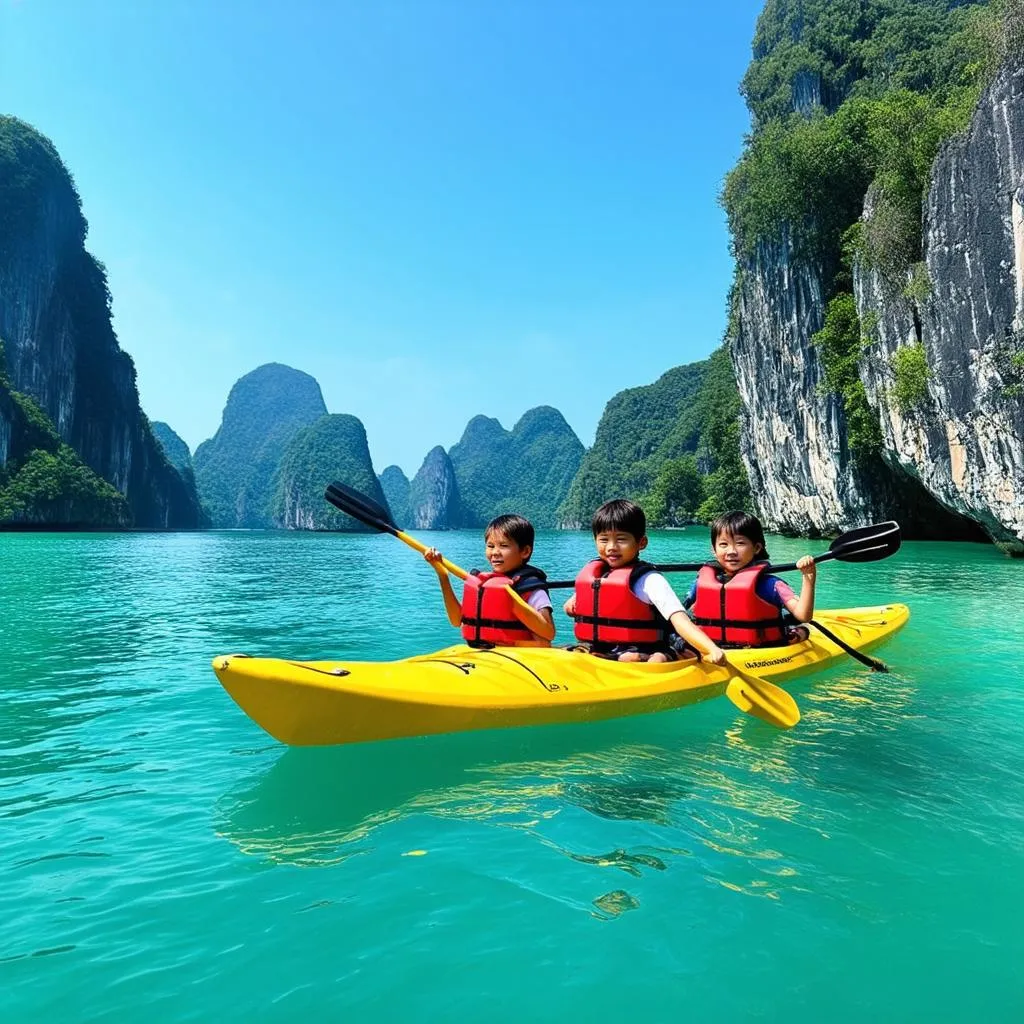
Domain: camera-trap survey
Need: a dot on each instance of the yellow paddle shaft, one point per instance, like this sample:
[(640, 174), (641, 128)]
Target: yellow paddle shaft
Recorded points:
[(422, 549), (450, 566)]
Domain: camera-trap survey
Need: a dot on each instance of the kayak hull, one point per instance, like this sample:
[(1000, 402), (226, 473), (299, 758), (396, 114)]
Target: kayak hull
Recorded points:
[(315, 703)]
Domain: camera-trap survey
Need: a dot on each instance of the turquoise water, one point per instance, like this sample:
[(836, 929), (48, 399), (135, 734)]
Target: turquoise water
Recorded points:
[(162, 858)]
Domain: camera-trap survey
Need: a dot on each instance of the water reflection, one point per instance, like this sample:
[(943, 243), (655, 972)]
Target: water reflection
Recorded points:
[(706, 801)]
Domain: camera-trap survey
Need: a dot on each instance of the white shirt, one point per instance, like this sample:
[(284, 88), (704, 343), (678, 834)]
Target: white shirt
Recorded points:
[(539, 600), (653, 588)]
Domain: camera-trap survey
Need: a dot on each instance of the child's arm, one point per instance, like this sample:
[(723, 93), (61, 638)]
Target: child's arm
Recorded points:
[(540, 623), (696, 637), (659, 592), (452, 605), (802, 607)]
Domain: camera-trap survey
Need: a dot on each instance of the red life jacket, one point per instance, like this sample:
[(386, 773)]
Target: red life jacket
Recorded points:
[(487, 608), (731, 613), (609, 613)]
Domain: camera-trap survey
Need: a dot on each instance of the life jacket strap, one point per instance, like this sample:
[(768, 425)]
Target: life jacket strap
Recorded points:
[(699, 620), (604, 620), (480, 623)]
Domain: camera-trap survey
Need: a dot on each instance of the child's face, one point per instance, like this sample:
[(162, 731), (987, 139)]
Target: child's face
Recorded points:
[(504, 554), (618, 548), (734, 551)]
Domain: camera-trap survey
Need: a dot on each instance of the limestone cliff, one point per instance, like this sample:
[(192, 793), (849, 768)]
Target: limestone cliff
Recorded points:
[(881, 363), (395, 485), (235, 468), (527, 469), (794, 441), (61, 349), (333, 448), (434, 495), (176, 450), (179, 456), (945, 367)]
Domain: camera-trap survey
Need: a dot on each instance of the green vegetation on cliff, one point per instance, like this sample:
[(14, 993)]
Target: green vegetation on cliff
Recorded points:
[(672, 445), (527, 469), (333, 448), (235, 469), (892, 79), (42, 480), (172, 446), (848, 96), (910, 376), (840, 344), (640, 430)]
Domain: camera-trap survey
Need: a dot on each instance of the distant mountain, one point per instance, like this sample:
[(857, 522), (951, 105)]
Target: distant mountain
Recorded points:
[(235, 469), (434, 502), (527, 469), (395, 485), (174, 447), (672, 446), (180, 458), (333, 448)]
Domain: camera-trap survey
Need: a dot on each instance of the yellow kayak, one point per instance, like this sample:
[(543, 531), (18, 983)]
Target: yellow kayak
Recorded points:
[(307, 703)]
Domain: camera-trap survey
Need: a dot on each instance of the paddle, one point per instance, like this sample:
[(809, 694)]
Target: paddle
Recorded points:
[(762, 699), (865, 544), (755, 696), (374, 515)]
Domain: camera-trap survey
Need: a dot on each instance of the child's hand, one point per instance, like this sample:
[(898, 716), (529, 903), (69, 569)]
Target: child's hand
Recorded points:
[(570, 606), (716, 655), (436, 559), (807, 568)]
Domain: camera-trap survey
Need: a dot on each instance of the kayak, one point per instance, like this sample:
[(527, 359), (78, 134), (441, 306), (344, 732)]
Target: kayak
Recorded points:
[(460, 688)]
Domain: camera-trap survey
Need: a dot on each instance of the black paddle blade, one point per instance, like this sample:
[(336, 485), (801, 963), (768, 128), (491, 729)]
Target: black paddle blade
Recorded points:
[(359, 506), (867, 543)]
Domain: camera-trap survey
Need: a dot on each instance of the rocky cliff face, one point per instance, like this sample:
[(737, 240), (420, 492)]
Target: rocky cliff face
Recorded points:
[(61, 349), (953, 461), (434, 495), (794, 436), (333, 448), (395, 485), (961, 431), (235, 469)]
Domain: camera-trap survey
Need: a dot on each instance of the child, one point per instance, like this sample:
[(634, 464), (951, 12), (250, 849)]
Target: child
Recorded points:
[(488, 614), (623, 608), (735, 603)]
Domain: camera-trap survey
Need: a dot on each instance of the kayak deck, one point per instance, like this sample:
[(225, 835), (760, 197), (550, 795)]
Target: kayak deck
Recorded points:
[(461, 688)]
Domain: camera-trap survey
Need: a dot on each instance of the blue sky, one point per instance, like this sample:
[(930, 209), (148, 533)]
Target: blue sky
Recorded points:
[(435, 208)]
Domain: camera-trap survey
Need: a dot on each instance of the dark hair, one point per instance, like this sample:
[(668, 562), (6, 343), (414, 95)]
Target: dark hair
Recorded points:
[(517, 528), (741, 524), (620, 514)]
